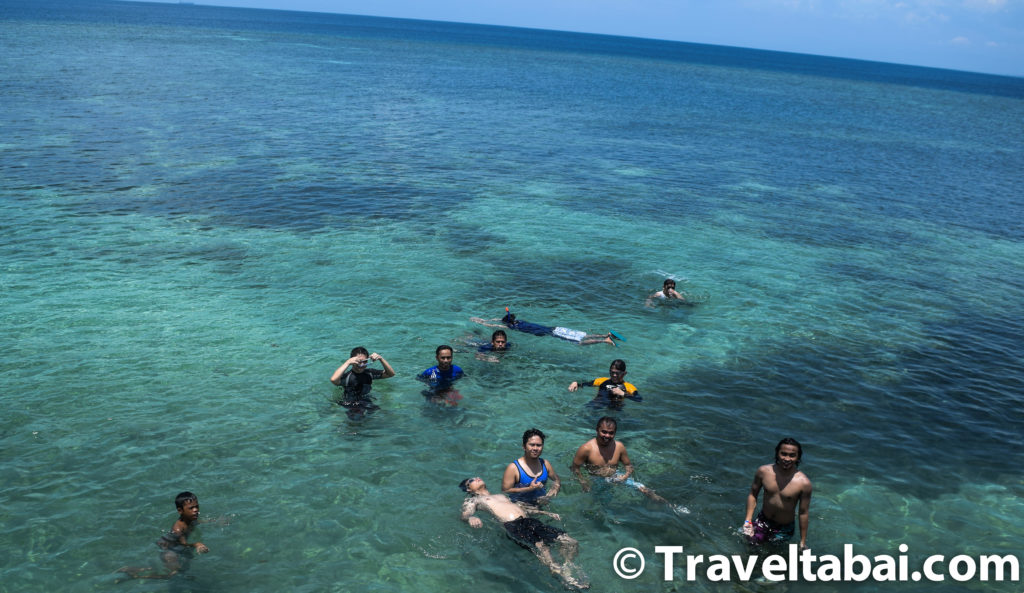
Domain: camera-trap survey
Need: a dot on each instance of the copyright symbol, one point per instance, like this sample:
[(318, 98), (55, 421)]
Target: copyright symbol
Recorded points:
[(621, 563)]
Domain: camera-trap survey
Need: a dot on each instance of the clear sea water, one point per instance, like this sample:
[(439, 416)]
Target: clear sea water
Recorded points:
[(202, 210)]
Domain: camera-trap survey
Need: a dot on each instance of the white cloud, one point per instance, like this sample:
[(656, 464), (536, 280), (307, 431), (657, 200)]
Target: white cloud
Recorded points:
[(960, 41)]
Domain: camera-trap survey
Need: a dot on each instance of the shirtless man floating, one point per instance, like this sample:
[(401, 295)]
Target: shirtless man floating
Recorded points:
[(785, 487), (526, 531)]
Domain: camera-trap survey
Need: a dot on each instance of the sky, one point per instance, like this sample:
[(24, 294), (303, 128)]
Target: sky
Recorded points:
[(973, 35)]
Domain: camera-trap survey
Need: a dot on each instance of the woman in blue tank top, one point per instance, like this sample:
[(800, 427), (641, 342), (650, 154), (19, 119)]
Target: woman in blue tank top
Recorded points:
[(526, 478)]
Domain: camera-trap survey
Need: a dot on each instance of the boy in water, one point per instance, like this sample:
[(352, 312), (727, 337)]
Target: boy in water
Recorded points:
[(176, 549), (524, 530)]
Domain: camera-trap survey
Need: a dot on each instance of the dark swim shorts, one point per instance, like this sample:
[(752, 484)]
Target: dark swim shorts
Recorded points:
[(527, 531), (766, 530)]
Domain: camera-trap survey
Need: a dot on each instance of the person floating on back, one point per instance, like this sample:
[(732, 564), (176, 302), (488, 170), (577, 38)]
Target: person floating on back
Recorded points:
[(523, 529), (570, 335), (175, 548)]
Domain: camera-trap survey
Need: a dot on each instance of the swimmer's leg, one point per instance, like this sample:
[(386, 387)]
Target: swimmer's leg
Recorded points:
[(651, 494), (569, 547)]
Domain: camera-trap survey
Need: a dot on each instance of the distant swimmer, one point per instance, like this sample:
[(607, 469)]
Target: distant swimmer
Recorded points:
[(785, 488), (602, 456), (442, 376), (613, 389), (525, 530), (668, 292), (570, 335), (357, 381), (526, 478), (176, 550), (499, 343)]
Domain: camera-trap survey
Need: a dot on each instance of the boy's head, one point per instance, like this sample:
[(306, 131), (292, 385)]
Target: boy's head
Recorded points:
[(359, 350), (499, 340), (188, 507), (669, 284), (184, 497)]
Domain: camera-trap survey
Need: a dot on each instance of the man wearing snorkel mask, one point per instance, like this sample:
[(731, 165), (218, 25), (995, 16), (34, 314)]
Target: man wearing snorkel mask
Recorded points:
[(357, 380)]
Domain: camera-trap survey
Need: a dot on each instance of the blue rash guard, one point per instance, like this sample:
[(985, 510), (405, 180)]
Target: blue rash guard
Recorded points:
[(438, 379)]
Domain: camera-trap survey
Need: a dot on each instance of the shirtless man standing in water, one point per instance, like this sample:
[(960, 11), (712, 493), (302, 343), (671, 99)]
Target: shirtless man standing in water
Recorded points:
[(524, 530), (602, 456), (785, 487)]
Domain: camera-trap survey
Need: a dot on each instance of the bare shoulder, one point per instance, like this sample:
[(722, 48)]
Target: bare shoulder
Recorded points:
[(802, 479)]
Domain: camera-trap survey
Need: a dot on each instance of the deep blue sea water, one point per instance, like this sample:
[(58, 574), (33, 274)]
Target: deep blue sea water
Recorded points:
[(202, 210)]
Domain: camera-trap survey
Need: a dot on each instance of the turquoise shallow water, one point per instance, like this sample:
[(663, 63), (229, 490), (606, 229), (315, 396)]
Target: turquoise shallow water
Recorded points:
[(203, 210)]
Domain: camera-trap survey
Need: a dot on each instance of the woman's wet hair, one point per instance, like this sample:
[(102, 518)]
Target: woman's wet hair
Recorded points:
[(533, 432), (618, 364)]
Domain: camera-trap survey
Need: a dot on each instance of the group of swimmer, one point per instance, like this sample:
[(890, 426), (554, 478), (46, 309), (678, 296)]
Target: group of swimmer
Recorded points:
[(530, 482)]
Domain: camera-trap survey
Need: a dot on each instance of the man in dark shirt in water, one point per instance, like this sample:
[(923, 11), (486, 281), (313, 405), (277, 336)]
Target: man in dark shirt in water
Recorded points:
[(357, 380)]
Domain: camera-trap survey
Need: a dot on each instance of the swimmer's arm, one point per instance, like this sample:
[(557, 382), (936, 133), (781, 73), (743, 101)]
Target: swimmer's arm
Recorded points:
[(554, 480), (755, 489), (536, 511), (627, 464), (181, 530), (577, 463), (468, 508), (388, 371), (484, 322), (336, 377), (805, 505), (577, 384)]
